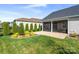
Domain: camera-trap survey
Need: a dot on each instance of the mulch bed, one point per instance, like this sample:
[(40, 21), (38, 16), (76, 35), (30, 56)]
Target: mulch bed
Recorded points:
[(23, 36)]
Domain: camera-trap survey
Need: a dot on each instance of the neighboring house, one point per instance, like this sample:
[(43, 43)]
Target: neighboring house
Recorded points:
[(10, 24), (28, 21), (64, 21)]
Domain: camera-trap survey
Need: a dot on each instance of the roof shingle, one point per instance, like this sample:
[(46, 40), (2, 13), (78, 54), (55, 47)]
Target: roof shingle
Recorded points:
[(28, 20), (72, 11)]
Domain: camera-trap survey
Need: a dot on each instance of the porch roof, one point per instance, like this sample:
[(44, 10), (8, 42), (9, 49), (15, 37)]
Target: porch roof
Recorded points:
[(61, 18)]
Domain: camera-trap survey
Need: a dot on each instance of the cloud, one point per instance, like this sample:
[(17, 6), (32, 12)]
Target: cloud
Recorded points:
[(9, 19), (9, 12), (35, 5), (33, 8), (8, 15)]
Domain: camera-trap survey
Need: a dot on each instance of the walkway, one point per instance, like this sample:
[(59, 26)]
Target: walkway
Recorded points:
[(52, 34)]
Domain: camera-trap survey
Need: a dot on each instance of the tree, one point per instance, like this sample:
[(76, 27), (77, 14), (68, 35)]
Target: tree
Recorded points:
[(31, 27), (35, 27), (6, 28), (21, 29), (40, 28), (26, 27), (14, 28)]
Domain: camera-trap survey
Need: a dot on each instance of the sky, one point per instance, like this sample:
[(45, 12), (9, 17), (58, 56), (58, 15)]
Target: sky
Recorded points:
[(9, 12)]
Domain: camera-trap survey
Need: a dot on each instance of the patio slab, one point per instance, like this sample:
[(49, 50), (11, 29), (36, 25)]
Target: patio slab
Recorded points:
[(52, 34)]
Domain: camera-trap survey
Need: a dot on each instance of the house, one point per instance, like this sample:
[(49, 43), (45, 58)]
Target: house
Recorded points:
[(28, 21), (10, 23), (64, 21)]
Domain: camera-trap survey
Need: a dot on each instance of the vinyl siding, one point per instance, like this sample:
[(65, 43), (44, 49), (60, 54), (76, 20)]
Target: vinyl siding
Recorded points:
[(73, 25)]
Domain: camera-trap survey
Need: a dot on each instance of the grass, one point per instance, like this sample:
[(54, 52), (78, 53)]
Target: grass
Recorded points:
[(38, 45)]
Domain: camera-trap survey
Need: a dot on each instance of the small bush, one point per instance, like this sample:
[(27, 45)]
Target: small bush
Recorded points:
[(32, 33), (27, 33), (15, 35), (73, 34)]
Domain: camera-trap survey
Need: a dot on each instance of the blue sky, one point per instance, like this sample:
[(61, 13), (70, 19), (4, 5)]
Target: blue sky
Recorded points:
[(9, 12)]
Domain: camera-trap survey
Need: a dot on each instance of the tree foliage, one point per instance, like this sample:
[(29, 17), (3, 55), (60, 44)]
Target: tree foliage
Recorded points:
[(31, 27), (35, 27), (26, 27), (40, 28), (6, 28), (21, 29), (14, 28)]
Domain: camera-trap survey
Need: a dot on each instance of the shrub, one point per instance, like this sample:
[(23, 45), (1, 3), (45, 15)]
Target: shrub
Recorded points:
[(0, 29), (27, 33), (73, 34), (40, 28), (14, 28), (32, 33), (26, 27), (15, 35), (31, 27), (35, 27), (21, 29), (1, 34), (6, 29)]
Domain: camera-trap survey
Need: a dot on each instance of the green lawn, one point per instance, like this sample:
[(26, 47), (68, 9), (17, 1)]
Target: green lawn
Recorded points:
[(38, 45)]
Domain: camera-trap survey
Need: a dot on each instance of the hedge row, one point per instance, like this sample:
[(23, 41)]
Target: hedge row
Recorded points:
[(18, 29)]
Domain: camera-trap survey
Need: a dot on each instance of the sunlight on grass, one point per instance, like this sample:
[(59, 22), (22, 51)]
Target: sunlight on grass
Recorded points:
[(38, 45)]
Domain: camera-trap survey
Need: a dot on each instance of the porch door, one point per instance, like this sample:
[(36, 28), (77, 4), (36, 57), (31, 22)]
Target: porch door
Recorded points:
[(47, 26), (60, 26)]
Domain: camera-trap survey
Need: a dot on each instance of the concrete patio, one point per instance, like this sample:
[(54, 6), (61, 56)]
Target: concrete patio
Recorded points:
[(52, 34)]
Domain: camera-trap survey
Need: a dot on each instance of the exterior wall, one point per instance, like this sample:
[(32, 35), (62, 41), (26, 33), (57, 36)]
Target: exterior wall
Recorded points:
[(24, 23), (73, 25)]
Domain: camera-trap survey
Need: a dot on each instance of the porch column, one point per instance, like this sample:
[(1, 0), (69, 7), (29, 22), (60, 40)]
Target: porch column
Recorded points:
[(51, 26)]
